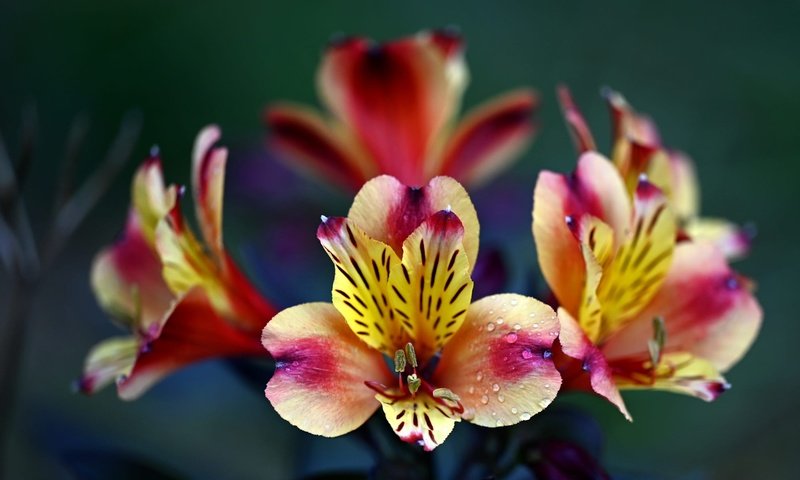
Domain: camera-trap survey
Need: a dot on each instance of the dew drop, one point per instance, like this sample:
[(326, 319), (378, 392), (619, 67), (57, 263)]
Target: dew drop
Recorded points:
[(527, 354), (499, 423), (514, 303), (485, 399), (517, 326), (500, 320), (511, 337), (490, 327), (525, 416), (495, 388), (514, 410), (544, 403), (471, 390), (547, 386), (479, 376), (501, 398), (535, 325), (494, 414)]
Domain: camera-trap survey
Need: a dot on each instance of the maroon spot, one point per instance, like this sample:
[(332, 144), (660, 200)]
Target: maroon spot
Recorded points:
[(407, 214), (511, 361), (307, 361), (581, 200), (330, 228)]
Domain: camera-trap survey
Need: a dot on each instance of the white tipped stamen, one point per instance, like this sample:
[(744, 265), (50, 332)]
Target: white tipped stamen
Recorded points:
[(448, 209), (643, 178), (323, 218)]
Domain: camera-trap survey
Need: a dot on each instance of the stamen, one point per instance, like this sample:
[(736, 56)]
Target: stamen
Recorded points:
[(411, 355)]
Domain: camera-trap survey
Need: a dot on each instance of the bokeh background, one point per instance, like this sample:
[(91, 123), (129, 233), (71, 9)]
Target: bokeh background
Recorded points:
[(721, 80)]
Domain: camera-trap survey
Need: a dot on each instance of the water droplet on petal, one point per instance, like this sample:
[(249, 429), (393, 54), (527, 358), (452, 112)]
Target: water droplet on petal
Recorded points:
[(499, 423), (514, 410), (479, 376), (527, 354), (495, 388), (544, 403), (501, 398), (525, 416), (490, 327), (535, 325), (517, 326), (547, 386), (500, 320), (471, 390), (485, 399), (511, 337)]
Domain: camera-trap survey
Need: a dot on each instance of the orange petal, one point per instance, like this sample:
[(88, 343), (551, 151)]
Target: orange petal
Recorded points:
[(732, 240), (576, 123), (419, 419), (595, 188), (389, 211), (395, 97), (126, 279), (361, 283), (431, 289), (489, 138), (684, 193), (317, 147), (500, 361), (583, 366), (707, 308), (208, 184), (321, 366), (192, 331)]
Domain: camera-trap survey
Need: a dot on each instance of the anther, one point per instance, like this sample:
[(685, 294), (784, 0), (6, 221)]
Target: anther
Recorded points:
[(399, 361), (411, 355), (446, 394)]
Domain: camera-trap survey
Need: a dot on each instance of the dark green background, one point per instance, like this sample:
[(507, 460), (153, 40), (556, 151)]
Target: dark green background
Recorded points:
[(721, 80)]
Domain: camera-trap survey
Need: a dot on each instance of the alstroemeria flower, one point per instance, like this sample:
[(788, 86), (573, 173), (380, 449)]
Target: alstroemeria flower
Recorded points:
[(638, 310), (392, 112), (638, 149), (182, 300), (402, 290)]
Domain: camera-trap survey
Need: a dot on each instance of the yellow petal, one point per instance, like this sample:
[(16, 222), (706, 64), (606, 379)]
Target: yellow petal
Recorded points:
[(431, 289), (419, 419), (679, 372), (361, 283), (641, 262), (108, 361)]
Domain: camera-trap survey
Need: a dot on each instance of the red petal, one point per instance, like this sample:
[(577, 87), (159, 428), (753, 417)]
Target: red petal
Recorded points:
[(311, 145), (396, 97), (490, 137), (192, 332), (578, 129)]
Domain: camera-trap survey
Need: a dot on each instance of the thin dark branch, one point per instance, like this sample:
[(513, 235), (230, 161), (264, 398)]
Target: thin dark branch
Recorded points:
[(70, 216), (26, 146), (77, 134)]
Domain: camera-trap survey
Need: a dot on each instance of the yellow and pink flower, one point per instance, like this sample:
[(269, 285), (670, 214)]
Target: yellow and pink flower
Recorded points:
[(638, 309), (402, 290), (182, 300), (392, 110), (638, 149)]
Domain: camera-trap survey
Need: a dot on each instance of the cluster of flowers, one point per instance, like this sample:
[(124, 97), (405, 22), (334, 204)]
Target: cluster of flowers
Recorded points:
[(645, 295)]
